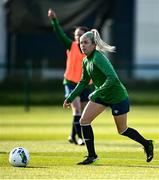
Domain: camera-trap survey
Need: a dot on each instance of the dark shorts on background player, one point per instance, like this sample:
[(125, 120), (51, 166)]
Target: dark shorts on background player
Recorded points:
[(83, 96)]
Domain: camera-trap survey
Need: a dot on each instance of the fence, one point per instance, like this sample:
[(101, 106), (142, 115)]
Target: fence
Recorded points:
[(47, 83)]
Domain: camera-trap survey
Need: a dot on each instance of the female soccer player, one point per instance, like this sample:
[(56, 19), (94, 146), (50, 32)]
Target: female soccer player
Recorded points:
[(109, 92), (72, 74)]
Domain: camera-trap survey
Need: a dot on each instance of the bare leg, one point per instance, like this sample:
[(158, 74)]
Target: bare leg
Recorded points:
[(121, 123), (76, 128), (76, 107), (83, 105), (91, 111)]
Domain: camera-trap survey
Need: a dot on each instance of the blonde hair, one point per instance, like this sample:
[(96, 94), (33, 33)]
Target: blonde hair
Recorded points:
[(100, 44)]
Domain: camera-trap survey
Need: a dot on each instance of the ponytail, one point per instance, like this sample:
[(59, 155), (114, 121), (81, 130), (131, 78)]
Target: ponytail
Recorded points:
[(100, 44)]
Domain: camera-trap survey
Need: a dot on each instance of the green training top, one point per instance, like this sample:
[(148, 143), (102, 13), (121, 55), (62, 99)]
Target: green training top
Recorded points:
[(108, 87), (60, 33), (63, 38)]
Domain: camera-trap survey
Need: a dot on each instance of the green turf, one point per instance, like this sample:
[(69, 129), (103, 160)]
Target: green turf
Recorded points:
[(44, 131)]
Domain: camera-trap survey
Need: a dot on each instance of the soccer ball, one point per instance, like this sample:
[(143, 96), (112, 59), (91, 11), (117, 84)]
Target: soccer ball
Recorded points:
[(19, 157)]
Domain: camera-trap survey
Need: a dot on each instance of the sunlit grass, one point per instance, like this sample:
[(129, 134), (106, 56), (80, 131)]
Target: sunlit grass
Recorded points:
[(44, 131)]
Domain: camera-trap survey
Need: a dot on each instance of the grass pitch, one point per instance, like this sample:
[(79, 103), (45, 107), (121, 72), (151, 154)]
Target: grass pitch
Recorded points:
[(44, 131)]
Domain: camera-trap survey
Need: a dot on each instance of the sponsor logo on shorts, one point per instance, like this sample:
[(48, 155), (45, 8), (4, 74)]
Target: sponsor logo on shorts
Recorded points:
[(116, 111)]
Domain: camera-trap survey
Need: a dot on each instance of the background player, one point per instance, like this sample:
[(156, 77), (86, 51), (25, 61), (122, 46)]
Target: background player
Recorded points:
[(72, 74)]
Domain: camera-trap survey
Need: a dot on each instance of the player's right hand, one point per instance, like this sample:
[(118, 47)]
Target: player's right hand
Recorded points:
[(66, 104), (51, 14)]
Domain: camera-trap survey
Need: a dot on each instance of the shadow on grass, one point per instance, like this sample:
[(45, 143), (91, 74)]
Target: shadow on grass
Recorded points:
[(36, 167), (127, 166)]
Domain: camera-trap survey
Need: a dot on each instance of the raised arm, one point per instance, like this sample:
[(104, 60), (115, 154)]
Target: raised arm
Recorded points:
[(58, 29)]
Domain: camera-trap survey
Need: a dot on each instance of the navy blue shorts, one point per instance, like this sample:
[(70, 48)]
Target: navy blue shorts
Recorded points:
[(117, 109), (83, 96)]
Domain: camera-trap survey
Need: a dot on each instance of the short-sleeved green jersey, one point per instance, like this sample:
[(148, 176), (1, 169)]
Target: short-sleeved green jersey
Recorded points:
[(108, 87)]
